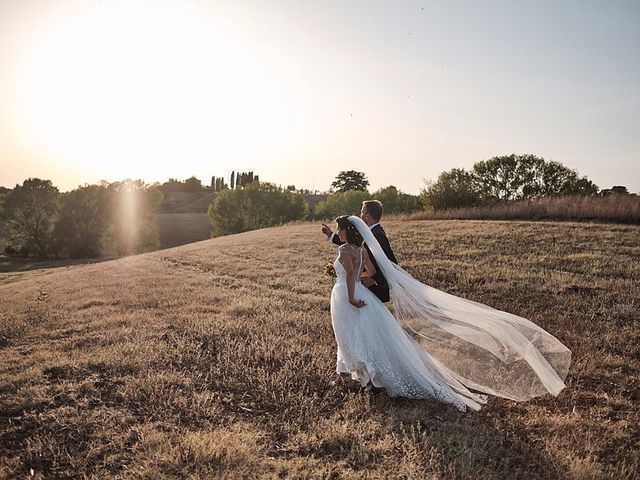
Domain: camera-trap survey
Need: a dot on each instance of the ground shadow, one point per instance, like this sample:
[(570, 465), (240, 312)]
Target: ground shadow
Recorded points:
[(13, 264), (473, 444)]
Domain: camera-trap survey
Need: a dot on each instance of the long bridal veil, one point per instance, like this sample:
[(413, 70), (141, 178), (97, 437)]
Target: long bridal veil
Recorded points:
[(485, 349)]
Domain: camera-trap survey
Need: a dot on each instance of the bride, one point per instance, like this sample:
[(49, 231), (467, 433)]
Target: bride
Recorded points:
[(433, 345)]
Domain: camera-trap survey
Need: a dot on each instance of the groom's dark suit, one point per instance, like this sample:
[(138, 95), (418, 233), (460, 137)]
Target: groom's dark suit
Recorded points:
[(381, 287)]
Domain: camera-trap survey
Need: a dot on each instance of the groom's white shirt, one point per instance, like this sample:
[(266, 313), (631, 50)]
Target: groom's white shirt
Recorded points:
[(334, 233)]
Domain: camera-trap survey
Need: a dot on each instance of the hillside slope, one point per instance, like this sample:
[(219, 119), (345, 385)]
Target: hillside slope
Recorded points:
[(181, 228), (214, 359)]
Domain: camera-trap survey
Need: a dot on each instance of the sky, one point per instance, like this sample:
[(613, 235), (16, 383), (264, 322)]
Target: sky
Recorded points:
[(297, 91)]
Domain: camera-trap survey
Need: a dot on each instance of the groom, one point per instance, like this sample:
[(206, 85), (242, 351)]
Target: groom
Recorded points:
[(371, 213)]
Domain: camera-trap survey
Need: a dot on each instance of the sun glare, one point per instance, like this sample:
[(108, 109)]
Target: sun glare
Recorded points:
[(130, 92), (127, 209)]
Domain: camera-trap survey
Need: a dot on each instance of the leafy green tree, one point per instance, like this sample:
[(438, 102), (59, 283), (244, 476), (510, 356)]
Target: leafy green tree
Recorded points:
[(341, 203), (395, 201), (217, 184), (256, 205), (499, 178), (83, 222), (29, 210), (579, 186), (3, 193), (515, 177), (505, 178), (350, 180), (245, 178), (453, 189)]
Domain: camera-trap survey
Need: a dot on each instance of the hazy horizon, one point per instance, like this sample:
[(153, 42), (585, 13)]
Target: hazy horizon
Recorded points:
[(297, 92)]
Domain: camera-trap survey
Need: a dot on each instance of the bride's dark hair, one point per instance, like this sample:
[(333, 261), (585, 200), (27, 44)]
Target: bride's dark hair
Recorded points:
[(353, 236)]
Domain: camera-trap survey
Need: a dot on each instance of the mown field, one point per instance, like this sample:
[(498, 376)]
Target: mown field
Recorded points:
[(180, 228), (213, 359)]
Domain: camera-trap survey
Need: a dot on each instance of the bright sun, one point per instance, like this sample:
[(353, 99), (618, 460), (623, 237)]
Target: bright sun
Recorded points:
[(122, 90)]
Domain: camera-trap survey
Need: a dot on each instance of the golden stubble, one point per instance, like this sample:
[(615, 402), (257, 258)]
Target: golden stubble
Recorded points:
[(214, 358)]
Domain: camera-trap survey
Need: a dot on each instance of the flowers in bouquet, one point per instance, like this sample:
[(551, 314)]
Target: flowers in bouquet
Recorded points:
[(329, 270)]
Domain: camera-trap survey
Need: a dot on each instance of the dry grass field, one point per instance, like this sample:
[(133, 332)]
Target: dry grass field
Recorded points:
[(180, 228), (213, 360), (614, 208)]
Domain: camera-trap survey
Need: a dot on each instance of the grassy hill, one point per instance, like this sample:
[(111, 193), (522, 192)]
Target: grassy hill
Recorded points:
[(180, 228), (214, 359)]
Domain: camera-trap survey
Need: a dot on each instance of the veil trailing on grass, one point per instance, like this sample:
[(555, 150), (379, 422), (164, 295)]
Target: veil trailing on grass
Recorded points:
[(485, 349)]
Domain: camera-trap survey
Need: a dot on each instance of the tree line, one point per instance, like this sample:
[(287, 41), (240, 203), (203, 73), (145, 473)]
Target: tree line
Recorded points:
[(496, 180), (42, 222), (502, 179), (260, 204)]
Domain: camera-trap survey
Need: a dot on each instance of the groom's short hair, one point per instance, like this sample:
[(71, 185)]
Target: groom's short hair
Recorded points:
[(373, 208)]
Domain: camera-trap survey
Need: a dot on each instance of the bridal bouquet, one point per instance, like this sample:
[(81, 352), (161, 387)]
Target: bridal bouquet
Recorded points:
[(329, 271)]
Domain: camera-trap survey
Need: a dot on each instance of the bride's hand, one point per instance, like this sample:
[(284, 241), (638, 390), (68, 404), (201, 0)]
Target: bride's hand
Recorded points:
[(367, 281), (357, 303)]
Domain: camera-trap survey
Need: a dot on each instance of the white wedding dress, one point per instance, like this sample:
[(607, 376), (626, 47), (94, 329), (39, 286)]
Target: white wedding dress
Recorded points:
[(373, 347), (438, 345)]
